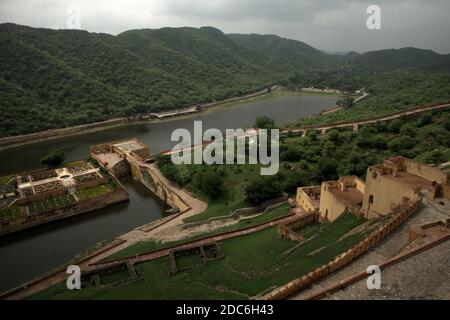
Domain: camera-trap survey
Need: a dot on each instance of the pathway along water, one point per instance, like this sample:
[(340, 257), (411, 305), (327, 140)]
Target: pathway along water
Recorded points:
[(28, 254)]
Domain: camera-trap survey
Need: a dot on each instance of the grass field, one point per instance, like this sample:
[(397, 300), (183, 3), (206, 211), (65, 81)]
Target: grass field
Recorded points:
[(148, 246), (254, 264), (89, 193), (11, 213), (5, 179), (50, 204)]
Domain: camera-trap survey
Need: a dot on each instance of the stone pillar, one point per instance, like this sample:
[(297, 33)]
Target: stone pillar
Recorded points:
[(355, 128)]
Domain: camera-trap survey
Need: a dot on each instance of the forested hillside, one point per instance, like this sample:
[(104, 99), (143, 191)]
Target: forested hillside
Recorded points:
[(58, 78)]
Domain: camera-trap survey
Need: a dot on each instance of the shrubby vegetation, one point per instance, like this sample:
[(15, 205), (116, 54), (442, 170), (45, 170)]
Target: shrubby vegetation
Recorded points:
[(391, 92), (52, 79), (54, 158), (313, 159)]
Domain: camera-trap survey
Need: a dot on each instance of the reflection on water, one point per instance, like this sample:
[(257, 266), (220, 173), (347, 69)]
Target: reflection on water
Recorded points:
[(30, 253)]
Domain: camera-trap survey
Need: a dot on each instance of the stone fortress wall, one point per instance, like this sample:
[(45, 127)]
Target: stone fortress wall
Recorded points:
[(401, 213), (309, 198), (339, 196), (121, 158), (385, 188), (397, 178), (394, 189)]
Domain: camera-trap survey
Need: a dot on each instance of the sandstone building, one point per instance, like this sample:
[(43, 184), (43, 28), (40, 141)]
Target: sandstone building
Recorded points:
[(336, 197), (387, 185), (397, 178)]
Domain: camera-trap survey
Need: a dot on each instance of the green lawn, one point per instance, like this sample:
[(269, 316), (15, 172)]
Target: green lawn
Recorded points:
[(148, 246), (88, 193), (254, 263), (77, 163), (5, 179), (50, 204), (11, 213)]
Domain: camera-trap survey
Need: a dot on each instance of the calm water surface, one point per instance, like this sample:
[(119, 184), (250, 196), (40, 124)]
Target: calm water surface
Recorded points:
[(28, 254)]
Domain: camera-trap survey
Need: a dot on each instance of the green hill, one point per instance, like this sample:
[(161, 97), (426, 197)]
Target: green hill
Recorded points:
[(58, 78)]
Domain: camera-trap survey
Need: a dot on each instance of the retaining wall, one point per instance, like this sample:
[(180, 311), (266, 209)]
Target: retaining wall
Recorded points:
[(287, 231), (92, 204), (159, 187), (239, 214), (343, 259)]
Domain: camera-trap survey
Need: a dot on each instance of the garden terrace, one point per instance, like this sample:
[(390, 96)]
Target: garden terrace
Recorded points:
[(51, 204), (255, 263), (94, 192), (48, 187), (11, 213), (27, 192), (79, 167), (45, 196), (23, 179), (6, 202), (43, 175), (5, 180), (87, 177)]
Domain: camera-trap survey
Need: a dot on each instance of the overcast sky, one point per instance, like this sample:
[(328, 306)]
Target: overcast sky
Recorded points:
[(330, 25)]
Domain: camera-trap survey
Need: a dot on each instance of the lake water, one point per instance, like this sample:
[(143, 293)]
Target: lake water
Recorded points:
[(28, 254)]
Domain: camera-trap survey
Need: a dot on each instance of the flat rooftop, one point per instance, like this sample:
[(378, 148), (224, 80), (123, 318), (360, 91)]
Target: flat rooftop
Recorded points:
[(350, 197), (411, 180), (111, 158), (129, 146)]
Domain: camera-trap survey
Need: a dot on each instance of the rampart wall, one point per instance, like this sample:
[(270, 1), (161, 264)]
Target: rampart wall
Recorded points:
[(397, 218)]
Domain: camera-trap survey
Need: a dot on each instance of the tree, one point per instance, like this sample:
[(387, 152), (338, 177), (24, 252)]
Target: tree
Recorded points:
[(261, 189), (346, 102), (54, 158), (313, 135), (435, 157), (408, 130), (210, 183), (264, 122), (395, 125), (291, 152), (334, 136), (424, 119), (400, 144), (446, 122), (328, 169)]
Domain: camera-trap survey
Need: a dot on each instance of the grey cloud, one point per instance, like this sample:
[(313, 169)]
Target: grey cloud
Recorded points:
[(332, 25)]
